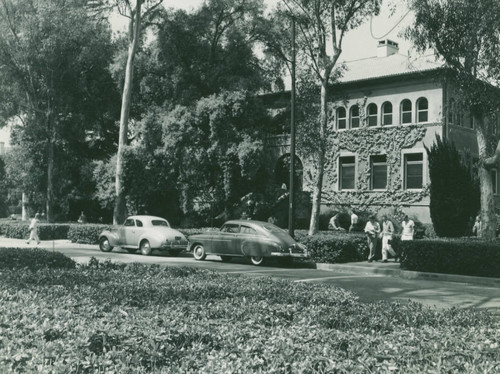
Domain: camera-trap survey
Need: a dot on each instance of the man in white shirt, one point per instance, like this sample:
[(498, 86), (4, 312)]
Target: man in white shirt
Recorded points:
[(408, 229), (354, 221), (34, 230), (372, 230), (387, 232)]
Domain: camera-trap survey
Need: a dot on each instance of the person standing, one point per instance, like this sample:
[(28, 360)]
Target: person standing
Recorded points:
[(408, 229), (372, 230), (334, 222), (354, 221), (33, 227), (476, 229), (387, 232)]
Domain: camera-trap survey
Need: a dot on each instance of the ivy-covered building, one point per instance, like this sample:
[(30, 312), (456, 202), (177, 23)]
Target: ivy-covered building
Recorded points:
[(385, 111)]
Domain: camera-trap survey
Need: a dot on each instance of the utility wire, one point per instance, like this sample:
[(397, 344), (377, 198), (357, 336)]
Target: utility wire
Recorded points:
[(388, 32)]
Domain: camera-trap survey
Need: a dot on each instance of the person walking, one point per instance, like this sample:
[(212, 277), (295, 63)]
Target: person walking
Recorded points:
[(408, 228), (33, 227), (387, 233), (372, 230)]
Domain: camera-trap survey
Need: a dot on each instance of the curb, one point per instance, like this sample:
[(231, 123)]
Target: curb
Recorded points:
[(408, 274)]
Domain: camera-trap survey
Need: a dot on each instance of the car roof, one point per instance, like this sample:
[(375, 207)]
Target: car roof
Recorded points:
[(146, 217)]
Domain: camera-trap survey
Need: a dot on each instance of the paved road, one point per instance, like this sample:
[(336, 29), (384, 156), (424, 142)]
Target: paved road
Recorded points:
[(369, 287)]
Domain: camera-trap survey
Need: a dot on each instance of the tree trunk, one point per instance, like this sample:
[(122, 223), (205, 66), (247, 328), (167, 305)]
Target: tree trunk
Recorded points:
[(318, 184), (120, 210), (50, 178), (25, 210), (488, 218)]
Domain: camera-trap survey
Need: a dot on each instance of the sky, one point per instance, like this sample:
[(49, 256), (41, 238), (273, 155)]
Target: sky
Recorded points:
[(358, 44)]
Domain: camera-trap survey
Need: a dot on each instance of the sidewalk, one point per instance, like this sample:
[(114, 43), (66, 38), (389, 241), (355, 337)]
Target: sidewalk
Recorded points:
[(393, 269)]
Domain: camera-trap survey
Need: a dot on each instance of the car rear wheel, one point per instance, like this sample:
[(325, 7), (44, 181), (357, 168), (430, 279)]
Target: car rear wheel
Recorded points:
[(225, 258), (257, 260), (104, 244), (199, 253), (146, 248)]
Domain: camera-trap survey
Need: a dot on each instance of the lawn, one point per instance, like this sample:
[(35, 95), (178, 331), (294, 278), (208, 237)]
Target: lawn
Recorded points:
[(59, 317)]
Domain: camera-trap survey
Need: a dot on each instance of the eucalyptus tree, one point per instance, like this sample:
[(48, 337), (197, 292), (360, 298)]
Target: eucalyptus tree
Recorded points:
[(321, 28), (54, 59), (465, 35)]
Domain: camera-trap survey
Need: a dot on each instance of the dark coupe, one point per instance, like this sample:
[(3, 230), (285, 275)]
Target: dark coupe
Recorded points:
[(245, 238)]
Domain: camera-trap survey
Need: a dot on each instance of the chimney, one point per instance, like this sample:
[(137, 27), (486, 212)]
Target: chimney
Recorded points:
[(386, 48)]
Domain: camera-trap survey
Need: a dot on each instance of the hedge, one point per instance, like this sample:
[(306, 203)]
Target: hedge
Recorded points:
[(129, 318), (46, 231), (86, 233), (460, 256), (33, 259)]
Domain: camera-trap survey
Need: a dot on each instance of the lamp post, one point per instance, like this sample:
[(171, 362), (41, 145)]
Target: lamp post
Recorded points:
[(292, 139)]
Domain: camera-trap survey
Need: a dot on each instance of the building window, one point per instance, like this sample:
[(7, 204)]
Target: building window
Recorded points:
[(387, 113), (406, 111), (354, 116), (494, 178), (341, 118), (347, 168), (372, 115), (413, 170), (422, 110), (378, 165)]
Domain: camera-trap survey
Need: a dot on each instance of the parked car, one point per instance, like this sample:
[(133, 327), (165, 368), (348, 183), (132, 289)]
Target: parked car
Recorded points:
[(246, 238), (145, 233)]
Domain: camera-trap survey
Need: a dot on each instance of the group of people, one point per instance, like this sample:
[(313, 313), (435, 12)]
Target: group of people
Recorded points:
[(335, 224), (374, 232)]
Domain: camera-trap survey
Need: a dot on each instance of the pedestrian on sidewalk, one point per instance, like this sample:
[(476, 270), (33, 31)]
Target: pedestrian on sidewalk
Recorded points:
[(372, 230), (387, 233), (408, 228), (33, 227)]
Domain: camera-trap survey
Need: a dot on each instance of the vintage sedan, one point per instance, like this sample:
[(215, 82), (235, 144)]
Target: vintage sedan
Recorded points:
[(145, 233), (256, 240)]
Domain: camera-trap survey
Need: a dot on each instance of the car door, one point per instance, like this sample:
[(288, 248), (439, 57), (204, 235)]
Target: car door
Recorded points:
[(248, 242), (135, 233), (225, 243), (125, 231)]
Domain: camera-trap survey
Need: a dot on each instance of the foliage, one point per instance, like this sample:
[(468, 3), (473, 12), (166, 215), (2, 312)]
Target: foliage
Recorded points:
[(19, 230), (33, 259), (454, 193), (336, 248), (54, 59), (136, 318), (86, 233), (459, 256)]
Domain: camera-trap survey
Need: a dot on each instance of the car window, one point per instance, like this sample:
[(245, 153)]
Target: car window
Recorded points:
[(272, 228), (138, 223), (248, 230), (129, 222), (230, 228), (159, 222)]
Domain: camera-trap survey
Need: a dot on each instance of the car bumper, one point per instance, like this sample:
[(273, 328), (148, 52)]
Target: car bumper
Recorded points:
[(291, 253), (174, 245)]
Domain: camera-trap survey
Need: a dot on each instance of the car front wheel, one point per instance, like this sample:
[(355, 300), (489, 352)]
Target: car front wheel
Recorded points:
[(257, 260), (104, 244), (199, 253), (146, 248)]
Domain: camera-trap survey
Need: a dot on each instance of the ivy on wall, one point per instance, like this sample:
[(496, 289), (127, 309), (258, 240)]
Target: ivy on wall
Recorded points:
[(365, 142)]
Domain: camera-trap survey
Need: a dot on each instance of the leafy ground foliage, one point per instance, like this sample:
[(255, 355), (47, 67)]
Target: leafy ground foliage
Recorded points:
[(132, 318)]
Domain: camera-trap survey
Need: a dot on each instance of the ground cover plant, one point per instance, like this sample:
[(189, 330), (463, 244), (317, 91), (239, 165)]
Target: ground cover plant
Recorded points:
[(131, 318)]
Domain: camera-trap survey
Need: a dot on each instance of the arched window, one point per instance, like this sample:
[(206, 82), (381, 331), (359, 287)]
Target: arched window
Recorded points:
[(405, 109), (354, 116), (422, 110), (341, 118), (386, 113), (450, 116), (372, 111)]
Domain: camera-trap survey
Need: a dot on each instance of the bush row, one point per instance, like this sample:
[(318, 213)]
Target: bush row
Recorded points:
[(33, 259), (131, 318), (19, 230), (458, 256)]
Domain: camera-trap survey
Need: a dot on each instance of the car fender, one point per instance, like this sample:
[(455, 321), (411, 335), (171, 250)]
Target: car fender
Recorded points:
[(112, 237), (253, 248), (155, 241)]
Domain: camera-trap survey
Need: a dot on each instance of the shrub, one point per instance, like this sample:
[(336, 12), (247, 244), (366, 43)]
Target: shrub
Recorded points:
[(86, 233), (335, 247), (33, 259), (460, 256), (454, 194), (46, 231)]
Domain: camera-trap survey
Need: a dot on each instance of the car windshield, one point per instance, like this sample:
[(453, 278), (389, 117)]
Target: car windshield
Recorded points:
[(159, 222)]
